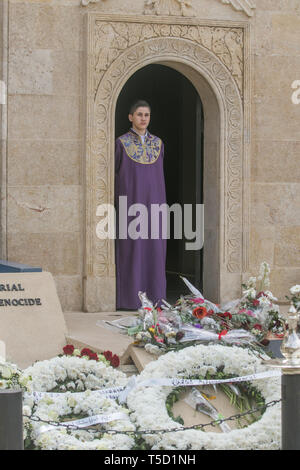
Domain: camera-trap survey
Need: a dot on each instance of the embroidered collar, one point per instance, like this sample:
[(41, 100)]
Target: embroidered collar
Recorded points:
[(144, 153), (142, 137)]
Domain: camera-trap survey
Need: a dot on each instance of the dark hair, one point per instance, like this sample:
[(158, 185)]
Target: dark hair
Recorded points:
[(139, 104)]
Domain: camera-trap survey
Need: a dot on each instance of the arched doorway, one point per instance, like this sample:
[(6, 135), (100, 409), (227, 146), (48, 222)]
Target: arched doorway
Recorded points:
[(177, 117), (131, 45)]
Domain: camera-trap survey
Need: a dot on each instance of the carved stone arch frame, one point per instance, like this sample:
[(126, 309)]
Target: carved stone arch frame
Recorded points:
[(113, 56)]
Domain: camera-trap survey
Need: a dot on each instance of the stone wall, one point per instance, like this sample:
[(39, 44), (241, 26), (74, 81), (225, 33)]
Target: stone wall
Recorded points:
[(42, 135), (275, 170)]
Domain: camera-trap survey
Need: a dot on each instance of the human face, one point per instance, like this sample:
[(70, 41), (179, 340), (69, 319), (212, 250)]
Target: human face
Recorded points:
[(140, 119)]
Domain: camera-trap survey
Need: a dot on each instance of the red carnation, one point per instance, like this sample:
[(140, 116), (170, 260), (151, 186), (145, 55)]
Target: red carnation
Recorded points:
[(68, 349), (257, 326), (115, 361), (108, 355), (255, 302)]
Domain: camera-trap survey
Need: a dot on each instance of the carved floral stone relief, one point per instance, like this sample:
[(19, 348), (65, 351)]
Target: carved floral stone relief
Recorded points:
[(169, 7), (115, 37), (184, 7)]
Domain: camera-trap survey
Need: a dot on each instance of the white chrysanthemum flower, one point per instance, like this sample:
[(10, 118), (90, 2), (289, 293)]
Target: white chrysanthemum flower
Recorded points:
[(264, 301), (295, 289), (250, 293)]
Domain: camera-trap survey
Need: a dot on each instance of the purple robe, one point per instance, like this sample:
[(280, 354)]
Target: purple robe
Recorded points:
[(140, 263)]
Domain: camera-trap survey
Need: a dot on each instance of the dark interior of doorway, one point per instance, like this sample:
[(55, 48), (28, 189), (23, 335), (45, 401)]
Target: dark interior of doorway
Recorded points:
[(177, 118)]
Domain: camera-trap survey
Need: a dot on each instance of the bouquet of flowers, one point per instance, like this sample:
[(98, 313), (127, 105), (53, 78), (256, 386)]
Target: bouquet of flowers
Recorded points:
[(250, 320), (257, 311), (295, 297)]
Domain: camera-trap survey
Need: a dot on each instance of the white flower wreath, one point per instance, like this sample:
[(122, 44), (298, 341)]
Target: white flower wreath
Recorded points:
[(148, 404), (66, 407), (68, 373)]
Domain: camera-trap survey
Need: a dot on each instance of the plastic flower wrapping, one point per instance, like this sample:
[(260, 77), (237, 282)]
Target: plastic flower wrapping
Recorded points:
[(252, 319)]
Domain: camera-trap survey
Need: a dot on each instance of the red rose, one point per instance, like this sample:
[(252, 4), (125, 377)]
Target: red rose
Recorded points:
[(108, 355), (257, 326), (94, 356), (115, 361), (68, 349), (225, 315), (86, 352)]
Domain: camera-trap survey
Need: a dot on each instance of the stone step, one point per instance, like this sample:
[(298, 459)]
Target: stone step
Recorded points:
[(83, 331)]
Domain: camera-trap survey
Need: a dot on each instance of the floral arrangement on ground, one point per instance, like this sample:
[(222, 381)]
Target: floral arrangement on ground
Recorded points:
[(62, 410), (61, 388), (72, 387), (250, 321), (149, 411), (74, 373)]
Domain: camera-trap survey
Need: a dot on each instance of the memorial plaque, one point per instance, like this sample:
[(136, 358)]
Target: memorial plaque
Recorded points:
[(32, 323)]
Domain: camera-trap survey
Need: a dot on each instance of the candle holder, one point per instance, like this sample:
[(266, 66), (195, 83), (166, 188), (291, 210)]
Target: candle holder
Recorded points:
[(290, 346), (290, 383)]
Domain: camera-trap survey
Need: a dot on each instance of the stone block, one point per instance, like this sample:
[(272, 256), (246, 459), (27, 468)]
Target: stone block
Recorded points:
[(282, 279), (38, 163), (277, 118), (30, 71), (31, 332), (84, 331), (285, 39), (47, 209), (45, 25), (69, 289), (273, 76), (262, 240), (60, 253), (275, 204), (41, 117), (274, 5), (275, 161), (287, 247)]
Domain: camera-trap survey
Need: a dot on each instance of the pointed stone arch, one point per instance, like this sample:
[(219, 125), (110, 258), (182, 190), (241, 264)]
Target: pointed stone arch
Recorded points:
[(225, 101)]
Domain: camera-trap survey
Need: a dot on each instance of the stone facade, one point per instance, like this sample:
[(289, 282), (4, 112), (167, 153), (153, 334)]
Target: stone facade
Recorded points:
[(58, 55)]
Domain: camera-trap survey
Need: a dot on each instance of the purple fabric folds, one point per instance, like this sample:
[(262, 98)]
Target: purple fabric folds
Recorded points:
[(140, 263)]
